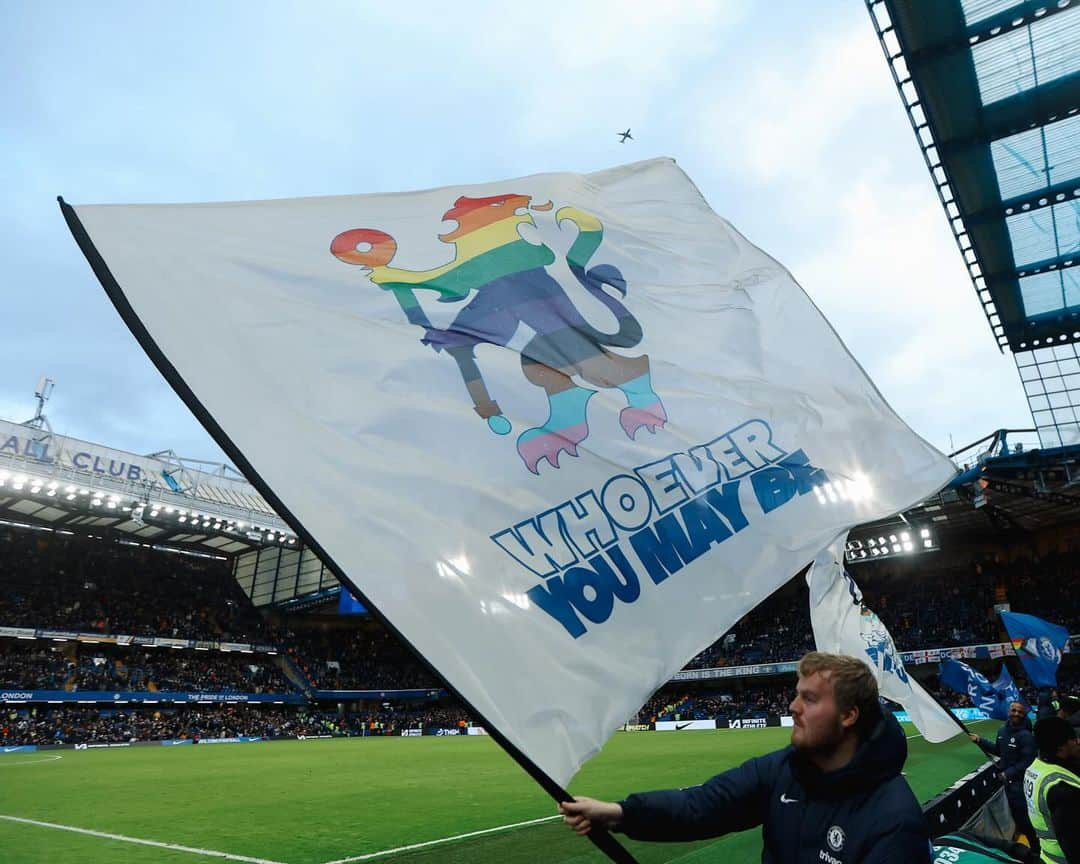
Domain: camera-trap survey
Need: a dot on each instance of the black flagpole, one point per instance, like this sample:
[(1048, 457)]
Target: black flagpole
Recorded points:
[(601, 839)]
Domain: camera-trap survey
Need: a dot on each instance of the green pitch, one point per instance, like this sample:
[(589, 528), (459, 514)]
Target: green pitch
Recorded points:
[(315, 802)]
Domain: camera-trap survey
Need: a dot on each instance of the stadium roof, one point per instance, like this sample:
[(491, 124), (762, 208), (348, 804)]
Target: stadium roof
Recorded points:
[(1005, 490), (992, 88), (58, 483)]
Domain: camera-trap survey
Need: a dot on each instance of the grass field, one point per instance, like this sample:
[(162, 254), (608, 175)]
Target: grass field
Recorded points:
[(315, 802)]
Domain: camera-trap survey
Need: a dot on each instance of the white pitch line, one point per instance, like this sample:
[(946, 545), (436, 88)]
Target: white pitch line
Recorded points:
[(427, 843), (209, 853), (53, 758)]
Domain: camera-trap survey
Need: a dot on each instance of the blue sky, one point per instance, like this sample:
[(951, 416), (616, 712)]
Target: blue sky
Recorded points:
[(785, 116)]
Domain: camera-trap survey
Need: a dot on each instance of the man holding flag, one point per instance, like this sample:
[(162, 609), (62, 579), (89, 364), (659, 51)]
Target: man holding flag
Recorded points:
[(1015, 747), (836, 794)]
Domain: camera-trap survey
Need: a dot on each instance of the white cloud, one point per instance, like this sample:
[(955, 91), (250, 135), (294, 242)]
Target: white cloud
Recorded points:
[(781, 118), (891, 280)]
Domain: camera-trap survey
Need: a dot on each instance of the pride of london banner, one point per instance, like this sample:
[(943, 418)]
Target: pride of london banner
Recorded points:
[(561, 431)]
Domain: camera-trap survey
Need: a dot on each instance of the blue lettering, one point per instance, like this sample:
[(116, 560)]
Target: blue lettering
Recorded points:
[(697, 468), (805, 475), (11, 444), (586, 524), (663, 548), (134, 473), (579, 583), (552, 598), (79, 461), (529, 545), (725, 501), (773, 488), (114, 471), (626, 501), (627, 589), (703, 526), (662, 481), (97, 469)]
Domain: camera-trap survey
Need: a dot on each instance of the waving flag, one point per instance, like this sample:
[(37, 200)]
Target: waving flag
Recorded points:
[(985, 696), (1038, 644), (843, 624), (560, 432)]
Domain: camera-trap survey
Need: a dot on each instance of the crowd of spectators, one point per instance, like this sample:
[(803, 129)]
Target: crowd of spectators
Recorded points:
[(70, 583), (365, 658), (111, 726), (80, 667), (43, 726)]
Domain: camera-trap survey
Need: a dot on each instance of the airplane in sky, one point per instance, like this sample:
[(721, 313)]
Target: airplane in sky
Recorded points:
[(623, 136)]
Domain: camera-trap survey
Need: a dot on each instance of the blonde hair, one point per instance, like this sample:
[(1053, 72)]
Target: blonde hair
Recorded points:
[(854, 685)]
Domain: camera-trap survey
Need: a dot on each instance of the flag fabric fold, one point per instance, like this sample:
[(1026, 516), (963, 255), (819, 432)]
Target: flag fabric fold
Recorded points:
[(1038, 644), (843, 624), (1005, 685), (561, 432), (984, 695)]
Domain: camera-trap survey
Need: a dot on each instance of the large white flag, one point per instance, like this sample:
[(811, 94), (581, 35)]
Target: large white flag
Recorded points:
[(561, 431), (843, 624)]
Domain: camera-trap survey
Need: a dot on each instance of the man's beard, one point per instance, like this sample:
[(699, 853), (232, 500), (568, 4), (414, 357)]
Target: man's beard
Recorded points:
[(824, 745)]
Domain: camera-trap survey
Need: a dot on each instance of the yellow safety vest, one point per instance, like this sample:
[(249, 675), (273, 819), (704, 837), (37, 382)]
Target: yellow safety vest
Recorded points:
[(1038, 778)]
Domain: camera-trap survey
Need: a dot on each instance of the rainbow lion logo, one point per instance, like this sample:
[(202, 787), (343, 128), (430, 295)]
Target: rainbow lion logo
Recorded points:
[(513, 287)]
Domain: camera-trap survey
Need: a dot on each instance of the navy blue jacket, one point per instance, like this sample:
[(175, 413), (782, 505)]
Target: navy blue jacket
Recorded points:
[(864, 813), (1015, 745)]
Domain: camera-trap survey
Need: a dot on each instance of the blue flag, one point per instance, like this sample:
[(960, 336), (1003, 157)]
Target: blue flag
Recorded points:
[(963, 679), (1006, 686), (1038, 644)]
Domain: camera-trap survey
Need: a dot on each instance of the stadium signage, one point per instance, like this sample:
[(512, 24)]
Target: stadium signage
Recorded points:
[(684, 725), (748, 723), (595, 549), (411, 733), (144, 696), (158, 641), (14, 441)]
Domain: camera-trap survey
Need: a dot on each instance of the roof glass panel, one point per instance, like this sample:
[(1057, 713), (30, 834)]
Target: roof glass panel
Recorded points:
[(1042, 293), (1028, 56), (1063, 149), (1070, 279), (1055, 40), (1045, 234), (1067, 225), (1020, 163), (1032, 236), (979, 10)]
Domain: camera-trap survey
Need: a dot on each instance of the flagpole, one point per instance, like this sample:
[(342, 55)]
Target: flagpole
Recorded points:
[(604, 841)]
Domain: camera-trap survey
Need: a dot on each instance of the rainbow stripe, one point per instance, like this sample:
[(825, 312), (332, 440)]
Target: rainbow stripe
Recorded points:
[(487, 246)]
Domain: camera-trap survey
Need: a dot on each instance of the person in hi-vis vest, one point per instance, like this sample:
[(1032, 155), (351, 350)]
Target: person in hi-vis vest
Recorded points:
[(1052, 791)]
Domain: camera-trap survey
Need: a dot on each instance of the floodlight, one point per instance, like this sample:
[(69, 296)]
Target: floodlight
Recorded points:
[(875, 551), (183, 519), (70, 496), (881, 540), (928, 544), (95, 501), (908, 546), (896, 548), (924, 533), (904, 536), (892, 538)]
